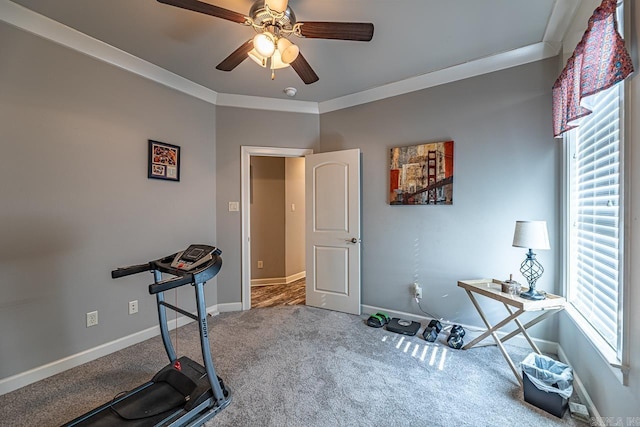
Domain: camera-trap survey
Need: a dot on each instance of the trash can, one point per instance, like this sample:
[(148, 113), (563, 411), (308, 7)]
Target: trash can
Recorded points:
[(547, 383)]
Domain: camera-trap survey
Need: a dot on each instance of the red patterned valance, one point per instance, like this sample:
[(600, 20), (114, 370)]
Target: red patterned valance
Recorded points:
[(599, 61)]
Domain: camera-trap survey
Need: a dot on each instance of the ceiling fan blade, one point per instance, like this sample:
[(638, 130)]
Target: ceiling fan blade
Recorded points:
[(358, 31), (236, 58), (208, 9), (304, 70)]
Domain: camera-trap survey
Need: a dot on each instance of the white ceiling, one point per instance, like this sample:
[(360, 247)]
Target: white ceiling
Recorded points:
[(411, 38)]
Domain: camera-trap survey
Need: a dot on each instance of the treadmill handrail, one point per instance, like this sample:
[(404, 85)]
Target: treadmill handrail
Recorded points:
[(132, 269), (202, 273), (167, 284)]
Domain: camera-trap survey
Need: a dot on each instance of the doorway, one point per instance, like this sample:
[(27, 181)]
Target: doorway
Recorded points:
[(246, 193)]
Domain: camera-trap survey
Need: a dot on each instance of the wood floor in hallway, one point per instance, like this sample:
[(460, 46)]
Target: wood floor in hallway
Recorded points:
[(272, 295)]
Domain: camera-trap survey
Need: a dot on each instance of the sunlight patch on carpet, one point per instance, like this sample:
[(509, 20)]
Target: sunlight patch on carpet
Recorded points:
[(428, 350)]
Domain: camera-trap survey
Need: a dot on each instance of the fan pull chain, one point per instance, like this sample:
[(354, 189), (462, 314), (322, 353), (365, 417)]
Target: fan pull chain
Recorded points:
[(273, 71)]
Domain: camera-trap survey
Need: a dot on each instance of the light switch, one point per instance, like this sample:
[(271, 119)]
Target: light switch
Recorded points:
[(293, 207), (234, 206)]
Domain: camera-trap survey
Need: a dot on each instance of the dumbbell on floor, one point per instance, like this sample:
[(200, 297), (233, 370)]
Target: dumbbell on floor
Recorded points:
[(378, 320), (432, 330), (455, 337)]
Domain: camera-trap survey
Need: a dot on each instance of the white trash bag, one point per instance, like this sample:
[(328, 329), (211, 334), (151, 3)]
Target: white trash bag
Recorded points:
[(548, 374)]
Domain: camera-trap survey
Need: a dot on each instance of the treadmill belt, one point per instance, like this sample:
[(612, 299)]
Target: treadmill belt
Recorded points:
[(147, 407), (154, 400)]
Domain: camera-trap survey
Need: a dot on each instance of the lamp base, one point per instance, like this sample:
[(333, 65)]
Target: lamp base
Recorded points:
[(532, 294)]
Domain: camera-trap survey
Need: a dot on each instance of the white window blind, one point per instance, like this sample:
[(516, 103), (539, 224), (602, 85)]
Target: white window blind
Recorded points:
[(595, 239)]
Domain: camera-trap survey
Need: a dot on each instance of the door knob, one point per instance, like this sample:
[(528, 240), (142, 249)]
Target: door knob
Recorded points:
[(352, 240)]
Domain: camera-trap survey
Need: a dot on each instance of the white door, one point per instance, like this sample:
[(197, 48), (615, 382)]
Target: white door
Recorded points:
[(332, 192)]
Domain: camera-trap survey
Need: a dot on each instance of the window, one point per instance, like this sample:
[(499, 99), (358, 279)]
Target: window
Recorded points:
[(594, 217), (595, 221)]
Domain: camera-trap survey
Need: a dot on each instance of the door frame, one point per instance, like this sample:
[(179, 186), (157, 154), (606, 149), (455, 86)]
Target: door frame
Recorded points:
[(245, 206)]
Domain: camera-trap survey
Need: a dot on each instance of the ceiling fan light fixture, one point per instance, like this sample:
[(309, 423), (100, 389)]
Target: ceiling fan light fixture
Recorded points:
[(257, 58), (274, 20), (288, 51), (265, 44), (277, 5), (277, 62)]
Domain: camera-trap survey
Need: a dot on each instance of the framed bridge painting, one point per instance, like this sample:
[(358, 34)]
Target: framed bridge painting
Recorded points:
[(421, 174)]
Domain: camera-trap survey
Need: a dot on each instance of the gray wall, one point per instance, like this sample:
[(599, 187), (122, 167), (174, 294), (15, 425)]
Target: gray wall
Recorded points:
[(76, 201), (277, 230), (237, 127), (267, 217), (506, 167), (294, 194)]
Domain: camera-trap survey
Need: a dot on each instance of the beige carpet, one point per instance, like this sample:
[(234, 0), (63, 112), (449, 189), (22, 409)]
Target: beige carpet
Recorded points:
[(301, 366)]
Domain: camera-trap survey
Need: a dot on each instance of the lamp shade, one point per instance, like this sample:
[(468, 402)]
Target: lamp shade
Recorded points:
[(531, 235), (257, 58), (288, 51), (277, 62), (264, 44)]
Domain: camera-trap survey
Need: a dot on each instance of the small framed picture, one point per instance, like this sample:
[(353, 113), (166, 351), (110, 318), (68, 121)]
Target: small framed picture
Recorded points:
[(164, 161)]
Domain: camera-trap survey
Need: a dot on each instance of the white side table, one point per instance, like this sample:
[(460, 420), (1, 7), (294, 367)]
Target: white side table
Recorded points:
[(516, 306)]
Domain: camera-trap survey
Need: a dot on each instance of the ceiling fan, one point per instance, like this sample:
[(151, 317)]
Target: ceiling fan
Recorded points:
[(274, 22)]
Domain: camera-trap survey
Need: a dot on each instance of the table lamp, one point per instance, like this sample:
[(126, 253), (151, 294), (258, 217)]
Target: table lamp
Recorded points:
[(531, 235)]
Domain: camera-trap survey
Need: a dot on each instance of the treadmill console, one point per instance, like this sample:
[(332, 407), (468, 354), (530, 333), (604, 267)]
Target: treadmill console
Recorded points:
[(194, 256)]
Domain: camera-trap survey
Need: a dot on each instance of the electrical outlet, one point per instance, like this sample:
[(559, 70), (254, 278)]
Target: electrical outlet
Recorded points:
[(417, 291), (92, 319), (260, 264), (133, 307)]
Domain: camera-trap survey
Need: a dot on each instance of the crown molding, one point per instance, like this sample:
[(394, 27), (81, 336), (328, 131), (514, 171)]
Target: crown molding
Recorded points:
[(56, 32), (513, 58), (263, 103), (560, 19), (47, 28)]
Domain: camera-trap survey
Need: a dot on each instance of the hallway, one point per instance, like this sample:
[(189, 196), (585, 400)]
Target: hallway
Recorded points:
[(272, 295)]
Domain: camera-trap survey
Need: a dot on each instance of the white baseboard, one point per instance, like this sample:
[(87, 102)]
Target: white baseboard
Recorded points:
[(517, 341), (585, 399), (269, 281), (279, 280), (41, 372), (231, 306), (294, 277)]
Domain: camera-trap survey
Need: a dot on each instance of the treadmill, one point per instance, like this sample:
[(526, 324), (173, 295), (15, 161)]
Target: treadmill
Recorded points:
[(183, 393)]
